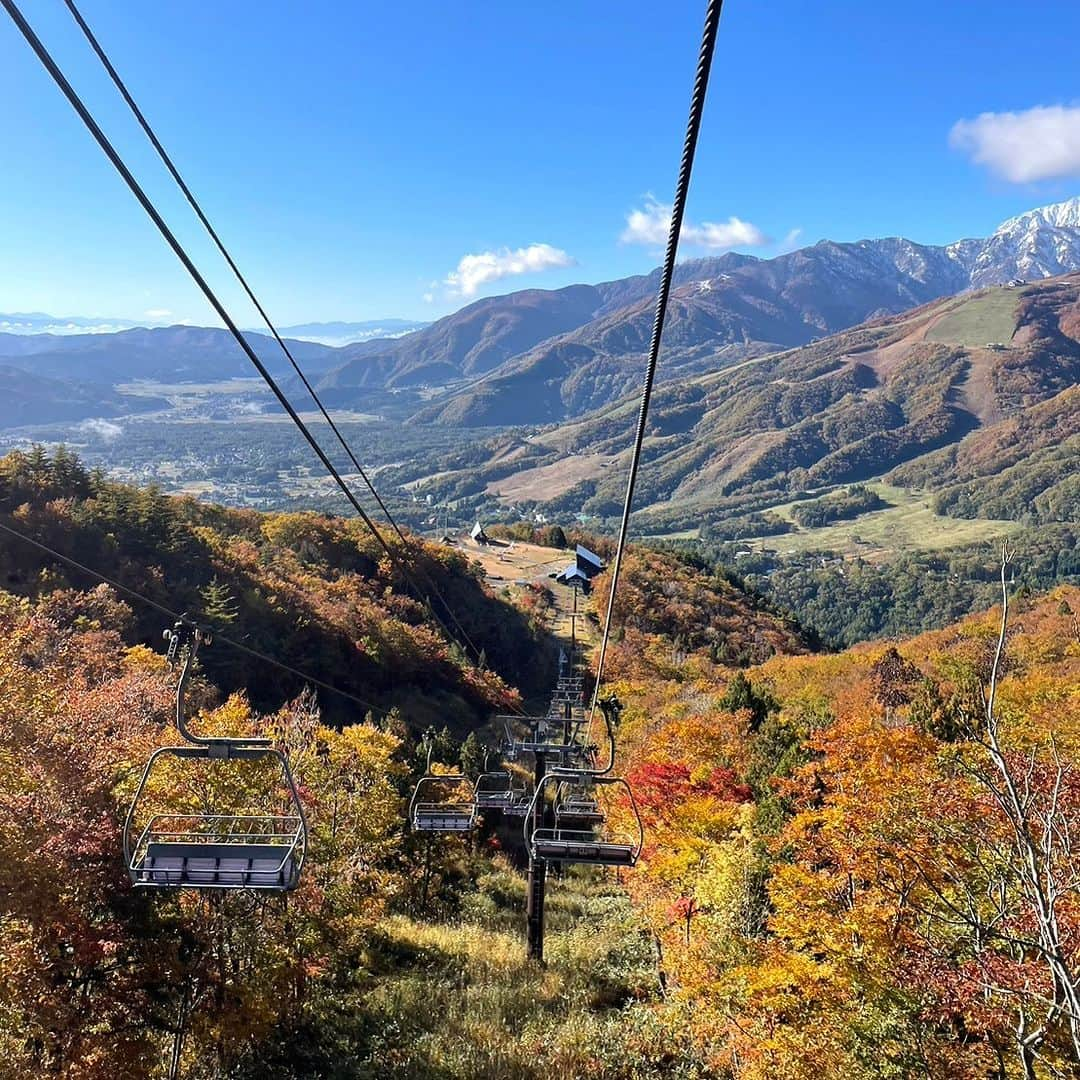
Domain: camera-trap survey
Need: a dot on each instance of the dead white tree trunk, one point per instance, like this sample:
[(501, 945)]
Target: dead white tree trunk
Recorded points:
[(1042, 852)]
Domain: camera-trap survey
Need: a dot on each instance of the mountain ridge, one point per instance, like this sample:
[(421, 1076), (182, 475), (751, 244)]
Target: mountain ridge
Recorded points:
[(167, 353), (29, 398), (942, 397), (543, 356), (740, 307)]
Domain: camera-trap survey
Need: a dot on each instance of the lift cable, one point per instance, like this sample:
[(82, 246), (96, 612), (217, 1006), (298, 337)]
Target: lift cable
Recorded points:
[(697, 104), (144, 200), (177, 616), (167, 161)]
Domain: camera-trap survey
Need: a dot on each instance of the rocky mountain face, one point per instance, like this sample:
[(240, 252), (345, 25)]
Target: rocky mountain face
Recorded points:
[(470, 342), (538, 356), (1040, 243)]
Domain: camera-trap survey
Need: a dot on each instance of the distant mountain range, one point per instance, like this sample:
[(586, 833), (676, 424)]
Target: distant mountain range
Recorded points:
[(37, 322), (975, 397), (723, 310), (540, 357), (164, 354), (335, 334), (339, 334)]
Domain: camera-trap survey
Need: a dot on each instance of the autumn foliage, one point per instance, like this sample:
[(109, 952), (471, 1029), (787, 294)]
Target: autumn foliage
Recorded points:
[(316, 593), (836, 875), (856, 865)]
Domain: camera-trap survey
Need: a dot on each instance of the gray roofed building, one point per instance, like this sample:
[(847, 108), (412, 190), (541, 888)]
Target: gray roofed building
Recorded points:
[(588, 562), (573, 575)]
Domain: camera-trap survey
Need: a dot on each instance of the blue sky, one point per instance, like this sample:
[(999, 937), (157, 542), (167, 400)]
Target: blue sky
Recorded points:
[(353, 154)]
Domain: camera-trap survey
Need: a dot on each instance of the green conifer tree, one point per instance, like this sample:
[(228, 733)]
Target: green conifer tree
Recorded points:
[(219, 605), (472, 755)]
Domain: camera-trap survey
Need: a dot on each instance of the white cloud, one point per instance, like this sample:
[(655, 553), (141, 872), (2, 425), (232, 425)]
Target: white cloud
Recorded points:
[(1037, 144), (36, 326), (651, 224), (104, 429), (157, 313), (791, 241), (473, 271)]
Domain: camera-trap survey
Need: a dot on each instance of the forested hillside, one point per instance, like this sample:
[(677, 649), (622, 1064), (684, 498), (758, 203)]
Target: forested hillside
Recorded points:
[(100, 980), (834, 883), (972, 399), (679, 601), (673, 677), (862, 865), (843, 601), (314, 592)]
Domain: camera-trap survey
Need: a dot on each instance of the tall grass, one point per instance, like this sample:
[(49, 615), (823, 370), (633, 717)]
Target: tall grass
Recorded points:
[(457, 999)]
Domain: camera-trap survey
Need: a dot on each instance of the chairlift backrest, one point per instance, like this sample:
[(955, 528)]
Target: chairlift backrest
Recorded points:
[(442, 803), (493, 788)]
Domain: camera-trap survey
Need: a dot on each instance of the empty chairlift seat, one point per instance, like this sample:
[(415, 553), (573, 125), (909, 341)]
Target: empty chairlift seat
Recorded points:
[(219, 853), (562, 845), (578, 841), (494, 791), (443, 804), (519, 807), (224, 850), (437, 817), (578, 811)]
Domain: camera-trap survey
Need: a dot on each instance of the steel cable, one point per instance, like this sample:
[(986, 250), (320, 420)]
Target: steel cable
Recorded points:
[(176, 616), (682, 187), (167, 161), (76, 102)]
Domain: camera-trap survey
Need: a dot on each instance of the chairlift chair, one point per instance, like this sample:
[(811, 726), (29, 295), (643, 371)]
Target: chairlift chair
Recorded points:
[(442, 803), (494, 790), (578, 841), (576, 806), (214, 850), (519, 806), (583, 845)]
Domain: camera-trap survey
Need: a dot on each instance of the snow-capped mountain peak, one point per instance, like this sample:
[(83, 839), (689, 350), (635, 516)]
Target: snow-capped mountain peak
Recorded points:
[(1062, 215), (1037, 244)]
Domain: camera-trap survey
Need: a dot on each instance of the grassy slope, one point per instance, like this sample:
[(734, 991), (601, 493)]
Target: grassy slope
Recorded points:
[(454, 998), (475, 1007), (989, 317), (910, 523)]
